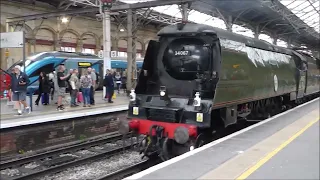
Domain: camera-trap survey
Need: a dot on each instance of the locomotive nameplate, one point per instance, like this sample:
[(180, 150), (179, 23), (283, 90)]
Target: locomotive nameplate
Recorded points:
[(182, 53)]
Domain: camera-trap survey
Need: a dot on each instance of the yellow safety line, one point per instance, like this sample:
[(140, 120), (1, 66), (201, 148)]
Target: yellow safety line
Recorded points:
[(248, 172)]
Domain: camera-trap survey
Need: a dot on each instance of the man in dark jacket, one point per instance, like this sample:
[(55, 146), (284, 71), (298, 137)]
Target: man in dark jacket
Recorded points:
[(19, 84), (108, 82)]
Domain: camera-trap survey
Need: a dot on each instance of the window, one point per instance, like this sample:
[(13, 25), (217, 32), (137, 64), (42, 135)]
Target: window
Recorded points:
[(122, 54), (89, 51), (47, 69), (115, 54), (68, 49)]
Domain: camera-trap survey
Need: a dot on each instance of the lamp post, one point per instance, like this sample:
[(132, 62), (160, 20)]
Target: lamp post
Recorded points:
[(105, 11)]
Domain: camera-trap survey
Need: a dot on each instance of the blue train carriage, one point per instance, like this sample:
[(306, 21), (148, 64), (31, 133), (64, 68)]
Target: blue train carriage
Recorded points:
[(49, 61)]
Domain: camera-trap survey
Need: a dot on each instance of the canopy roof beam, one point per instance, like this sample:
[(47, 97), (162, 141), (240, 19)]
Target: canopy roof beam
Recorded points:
[(95, 9)]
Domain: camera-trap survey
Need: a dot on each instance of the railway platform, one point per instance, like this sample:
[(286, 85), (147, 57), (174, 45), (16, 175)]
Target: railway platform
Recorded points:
[(285, 146), (42, 114)]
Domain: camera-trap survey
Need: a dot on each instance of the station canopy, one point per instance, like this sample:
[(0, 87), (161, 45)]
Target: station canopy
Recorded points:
[(306, 10)]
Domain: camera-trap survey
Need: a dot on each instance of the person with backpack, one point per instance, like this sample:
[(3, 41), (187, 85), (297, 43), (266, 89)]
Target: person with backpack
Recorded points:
[(86, 84)]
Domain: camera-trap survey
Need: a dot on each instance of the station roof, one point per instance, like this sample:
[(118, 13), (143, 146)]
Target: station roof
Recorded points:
[(271, 15), (284, 19), (297, 19), (307, 10)]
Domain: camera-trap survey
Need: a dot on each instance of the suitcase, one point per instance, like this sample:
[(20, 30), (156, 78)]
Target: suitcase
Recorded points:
[(79, 97), (45, 98)]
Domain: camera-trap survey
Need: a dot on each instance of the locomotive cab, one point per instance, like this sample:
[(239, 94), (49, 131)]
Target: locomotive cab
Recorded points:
[(175, 90)]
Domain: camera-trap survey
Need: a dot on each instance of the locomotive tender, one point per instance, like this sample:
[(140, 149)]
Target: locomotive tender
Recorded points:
[(198, 79)]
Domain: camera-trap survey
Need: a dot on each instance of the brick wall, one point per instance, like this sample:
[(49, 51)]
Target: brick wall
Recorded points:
[(50, 34)]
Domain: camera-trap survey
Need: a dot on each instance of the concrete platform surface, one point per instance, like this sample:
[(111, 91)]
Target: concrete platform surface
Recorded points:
[(299, 160), (233, 155), (43, 113)]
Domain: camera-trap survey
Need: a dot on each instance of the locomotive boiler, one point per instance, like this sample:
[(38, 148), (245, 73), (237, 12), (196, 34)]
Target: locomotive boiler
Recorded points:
[(197, 80)]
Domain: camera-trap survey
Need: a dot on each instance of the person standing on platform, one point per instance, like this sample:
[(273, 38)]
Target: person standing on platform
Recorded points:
[(117, 78), (19, 84), (86, 84), (74, 87), (68, 81), (108, 82), (62, 85), (93, 87), (55, 87), (44, 89), (124, 81), (51, 81)]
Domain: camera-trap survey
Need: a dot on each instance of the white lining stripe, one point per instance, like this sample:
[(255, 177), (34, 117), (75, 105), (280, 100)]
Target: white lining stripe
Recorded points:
[(56, 117), (190, 153)]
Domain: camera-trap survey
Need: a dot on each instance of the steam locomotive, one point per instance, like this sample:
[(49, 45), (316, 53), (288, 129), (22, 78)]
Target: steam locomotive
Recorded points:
[(198, 80)]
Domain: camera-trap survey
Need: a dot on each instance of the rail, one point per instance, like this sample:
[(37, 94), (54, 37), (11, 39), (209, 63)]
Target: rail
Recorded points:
[(60, 159), (128, 171)]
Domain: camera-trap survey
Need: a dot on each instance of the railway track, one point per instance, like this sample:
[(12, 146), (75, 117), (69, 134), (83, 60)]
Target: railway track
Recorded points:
[(58, 160), (128, 171)]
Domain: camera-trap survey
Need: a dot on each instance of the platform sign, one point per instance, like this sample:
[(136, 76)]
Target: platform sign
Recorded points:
[(113, 53), (84, 64), (100, 54), (12, 40)]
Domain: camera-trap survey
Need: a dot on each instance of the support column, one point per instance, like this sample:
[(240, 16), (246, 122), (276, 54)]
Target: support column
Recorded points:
[(229, 23), (289, 42), (114, 46), (275, 39), (257, 32), (31, 46), (184, 12), (129, 50), (57, 45), (7, 52), (97, 49), (79, 47), (106, 43), (134, 49)]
